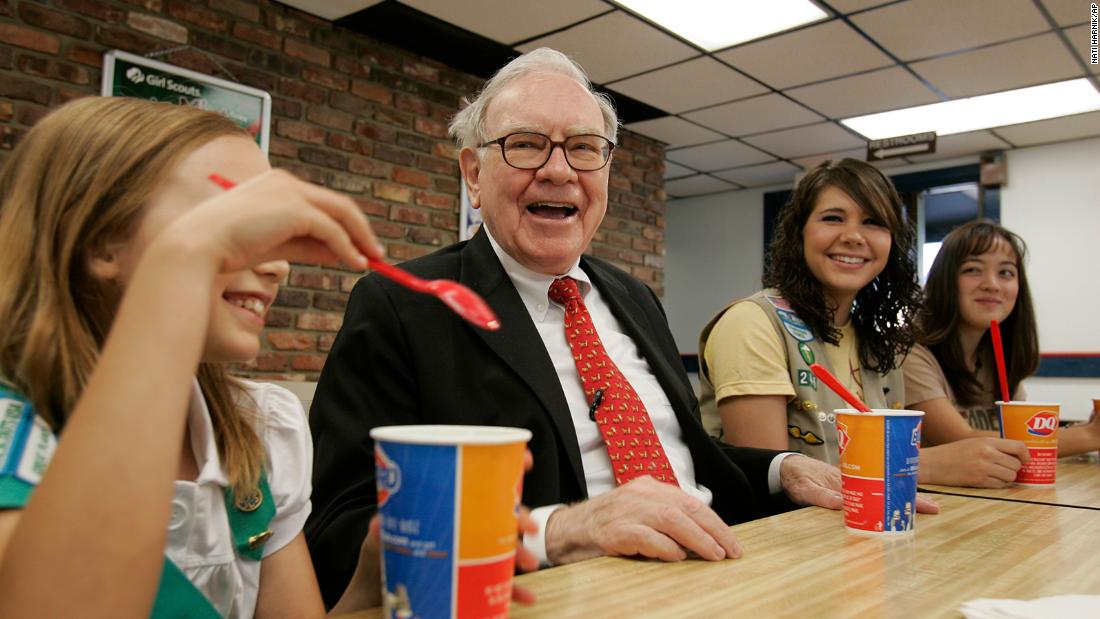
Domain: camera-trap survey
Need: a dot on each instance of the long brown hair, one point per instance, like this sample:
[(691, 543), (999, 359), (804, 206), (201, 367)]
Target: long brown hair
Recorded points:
[(883, 311), (939, 318), (79, 179)]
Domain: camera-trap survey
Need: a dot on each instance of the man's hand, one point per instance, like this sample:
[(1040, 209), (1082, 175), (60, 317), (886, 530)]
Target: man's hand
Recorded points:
[(643, 517), (812, 482), (984, 462)]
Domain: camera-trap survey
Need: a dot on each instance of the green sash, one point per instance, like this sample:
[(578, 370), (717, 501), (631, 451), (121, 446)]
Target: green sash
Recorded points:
[(249, 518)]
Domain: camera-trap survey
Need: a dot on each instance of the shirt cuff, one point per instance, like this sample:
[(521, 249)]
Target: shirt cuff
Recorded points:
[(775, 485), (536, 542)]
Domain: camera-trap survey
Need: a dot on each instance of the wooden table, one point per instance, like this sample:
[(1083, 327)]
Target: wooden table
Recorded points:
[(1078, 485), (803, 564)]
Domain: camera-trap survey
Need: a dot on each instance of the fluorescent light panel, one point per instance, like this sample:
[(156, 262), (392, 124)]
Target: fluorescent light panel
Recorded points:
[(996, 110), (714, 24)]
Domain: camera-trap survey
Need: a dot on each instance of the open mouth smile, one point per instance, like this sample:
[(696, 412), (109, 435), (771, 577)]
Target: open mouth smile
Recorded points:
[(251, 306), (552, 210)]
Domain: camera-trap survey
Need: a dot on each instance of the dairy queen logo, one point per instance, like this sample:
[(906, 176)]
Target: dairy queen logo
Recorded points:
[(1042, 423), (389, 475), (842, 436)]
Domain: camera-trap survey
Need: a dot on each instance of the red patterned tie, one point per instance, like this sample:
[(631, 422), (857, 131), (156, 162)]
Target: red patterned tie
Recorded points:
[(627, 431)]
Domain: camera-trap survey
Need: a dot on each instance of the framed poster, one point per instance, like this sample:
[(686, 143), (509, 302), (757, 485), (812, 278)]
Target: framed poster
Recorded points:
[(128, 75)]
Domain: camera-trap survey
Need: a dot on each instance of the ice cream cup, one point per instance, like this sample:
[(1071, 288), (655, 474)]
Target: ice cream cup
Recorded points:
[(449, 498), (879, 452), (1035, 424)]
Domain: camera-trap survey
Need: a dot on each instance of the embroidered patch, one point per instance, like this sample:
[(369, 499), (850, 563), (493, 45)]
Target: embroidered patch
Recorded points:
[(26, 442), (793, 324), (806, 352), (806, 378), (37, 452), (11, 413), (806, 437), (778, 303)]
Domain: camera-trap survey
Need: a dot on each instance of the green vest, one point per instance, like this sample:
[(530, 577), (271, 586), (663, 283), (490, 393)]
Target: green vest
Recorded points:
[(811, 424)]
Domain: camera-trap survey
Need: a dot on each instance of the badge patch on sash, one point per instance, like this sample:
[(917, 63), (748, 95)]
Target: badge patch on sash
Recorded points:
[(806, 352), (806, 437), (778, 303), (806, 378), (794, 325), (26, 441)]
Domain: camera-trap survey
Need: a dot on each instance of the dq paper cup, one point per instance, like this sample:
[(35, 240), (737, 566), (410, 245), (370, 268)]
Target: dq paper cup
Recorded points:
[(878, 469), (449, 498), (1037, 425)]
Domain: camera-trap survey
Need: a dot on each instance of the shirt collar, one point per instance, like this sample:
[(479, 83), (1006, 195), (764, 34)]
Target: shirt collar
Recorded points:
[(534, 287), (202, 439)]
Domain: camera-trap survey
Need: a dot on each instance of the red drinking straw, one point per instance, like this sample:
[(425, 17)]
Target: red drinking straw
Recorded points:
[(827, 377), (999, 357)]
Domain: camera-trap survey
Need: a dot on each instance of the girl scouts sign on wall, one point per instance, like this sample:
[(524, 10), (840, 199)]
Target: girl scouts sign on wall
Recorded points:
[(127, 75)]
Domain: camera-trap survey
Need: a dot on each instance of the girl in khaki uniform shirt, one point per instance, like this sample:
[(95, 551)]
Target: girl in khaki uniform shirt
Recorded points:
[(978, 276)]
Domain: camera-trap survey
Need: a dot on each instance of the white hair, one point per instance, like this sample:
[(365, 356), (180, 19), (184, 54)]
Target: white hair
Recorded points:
[(468, 126)]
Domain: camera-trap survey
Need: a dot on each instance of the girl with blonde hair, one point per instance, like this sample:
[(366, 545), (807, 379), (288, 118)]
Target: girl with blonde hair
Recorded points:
[(133, 469)]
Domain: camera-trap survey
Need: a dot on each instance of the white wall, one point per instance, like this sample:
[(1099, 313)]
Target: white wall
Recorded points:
[(713, 254), (1052, 200), (714, 248)]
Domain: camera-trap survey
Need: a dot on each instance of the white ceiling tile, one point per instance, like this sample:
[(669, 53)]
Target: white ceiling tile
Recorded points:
[(755, 115), (877, 91), (1053, 130), (961, 144), (717, 156), (679, 87), (808, 55), (615, 46), (674, 131), (759, 175), (810, 162), (924, 28), (508, 21), (804, 141), (1079, 37), (1034, 60), (851, 6), (675, 170), (1068, 12), (331, 9), (696, 185)]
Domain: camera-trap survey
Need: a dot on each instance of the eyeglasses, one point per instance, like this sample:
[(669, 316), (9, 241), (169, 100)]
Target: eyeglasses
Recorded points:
[(530, 151)]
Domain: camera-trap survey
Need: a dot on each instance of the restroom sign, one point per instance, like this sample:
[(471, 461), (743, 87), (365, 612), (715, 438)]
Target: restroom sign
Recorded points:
[(901, 146)]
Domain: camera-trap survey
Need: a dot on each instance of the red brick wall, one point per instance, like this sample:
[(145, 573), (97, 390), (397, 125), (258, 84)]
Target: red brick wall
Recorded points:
[(349, 112)]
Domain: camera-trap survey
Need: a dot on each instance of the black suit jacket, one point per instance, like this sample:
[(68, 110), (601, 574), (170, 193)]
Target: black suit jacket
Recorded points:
[(405, 358)]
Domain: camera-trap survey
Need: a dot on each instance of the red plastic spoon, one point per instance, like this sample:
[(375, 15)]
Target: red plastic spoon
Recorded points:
[(465, 302), (827, 377)]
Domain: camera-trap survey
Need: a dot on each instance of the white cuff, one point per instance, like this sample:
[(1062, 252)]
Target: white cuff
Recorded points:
[(536, 542), (775, 485)]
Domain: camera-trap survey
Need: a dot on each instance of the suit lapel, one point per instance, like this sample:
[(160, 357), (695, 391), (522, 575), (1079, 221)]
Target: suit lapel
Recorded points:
[(518, 342)]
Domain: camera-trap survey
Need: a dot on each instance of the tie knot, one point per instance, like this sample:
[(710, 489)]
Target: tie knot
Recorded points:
[(564, 290)]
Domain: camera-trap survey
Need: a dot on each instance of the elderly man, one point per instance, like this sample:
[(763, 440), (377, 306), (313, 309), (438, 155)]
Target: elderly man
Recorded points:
[(584, 358)]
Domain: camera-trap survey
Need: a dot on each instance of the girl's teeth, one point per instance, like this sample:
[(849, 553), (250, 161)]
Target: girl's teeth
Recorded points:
[(255, 306), (848, 260)]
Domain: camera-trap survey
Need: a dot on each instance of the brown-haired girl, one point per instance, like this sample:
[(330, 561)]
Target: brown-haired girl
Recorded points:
[(978, 276), (842, 292)]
